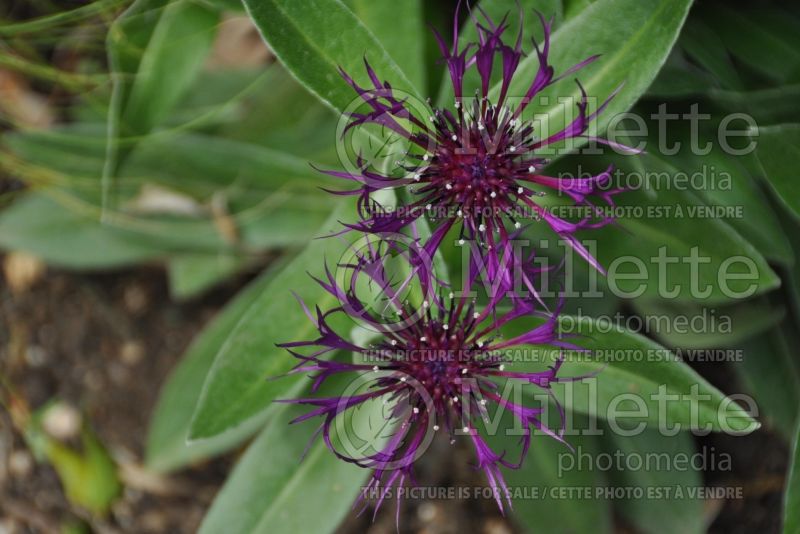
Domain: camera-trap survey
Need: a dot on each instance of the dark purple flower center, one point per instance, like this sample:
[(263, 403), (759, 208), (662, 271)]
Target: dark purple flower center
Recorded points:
[(480, 170), (438, 355)]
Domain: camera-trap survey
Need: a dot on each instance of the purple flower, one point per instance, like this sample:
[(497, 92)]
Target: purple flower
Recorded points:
[(476, 170), (444, 369)]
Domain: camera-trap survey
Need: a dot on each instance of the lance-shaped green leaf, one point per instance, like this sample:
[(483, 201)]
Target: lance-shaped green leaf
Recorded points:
[(167, 438), (655, 249), (778, 149), (65, 233), (765, 38), (661, 467), (155, 50), (315, 39), (275, 490), (632, 381), (191, 274), (549, 469), (265, 190), (634, 39), (729, 183), (247, 373), (400, 29), (692, 326), (704, 46), (766, 367)]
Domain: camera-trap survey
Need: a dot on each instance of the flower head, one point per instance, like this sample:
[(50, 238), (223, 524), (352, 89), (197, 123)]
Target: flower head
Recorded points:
[(448, 372), (478, 169)]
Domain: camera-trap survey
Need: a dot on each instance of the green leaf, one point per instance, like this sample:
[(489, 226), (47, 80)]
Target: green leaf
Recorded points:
[(239, 385), (87, 473), (778, 150), (168, 65), (630, 370), (791, 505), (692, 326), (275, 490), (233, 5), (89, 477), (634, 38), (400, 29), (264, 190), (69, 234), (767, 371), (298, 123), (573, 7), (192, 274), (764, 38), (167, 448), (314, 39), (660, 513), (542, 469), (707, 49), (753, 217), (774, 105), (668, 224), (680, 78), (155, 50)]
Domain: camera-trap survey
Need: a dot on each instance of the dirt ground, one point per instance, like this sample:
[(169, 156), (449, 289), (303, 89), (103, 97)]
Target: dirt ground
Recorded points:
[(104, 344)]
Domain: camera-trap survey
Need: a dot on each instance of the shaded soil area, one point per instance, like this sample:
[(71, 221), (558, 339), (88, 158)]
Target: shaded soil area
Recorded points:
[(102, 344), (105, 343)]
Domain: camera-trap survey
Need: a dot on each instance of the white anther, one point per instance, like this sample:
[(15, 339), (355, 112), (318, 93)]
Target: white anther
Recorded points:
[(482, 228), (445, 326), (480, 126), (454, 137), (416, 410), (423, 339), (460, 241), (375, 368), (448, 187), (531, 169), (417, 177), (464, 371), (432, 118), (426, 157), (512, 148), (475, 315), (425, 304), (520, 190), (517, 225), (480, 344), (460, 213), (455, 399), (466, 430), (435, 428), (502, 367), (483, 402), (393, 342), (493, 194), (428, 206), (452, 295), (458, 104), (403, 379)]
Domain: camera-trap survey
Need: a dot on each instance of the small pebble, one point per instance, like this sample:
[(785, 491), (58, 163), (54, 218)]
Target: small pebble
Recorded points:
[(20, 463), (131, 352), (62, 421)]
